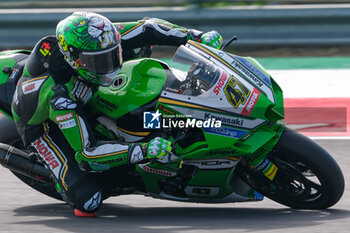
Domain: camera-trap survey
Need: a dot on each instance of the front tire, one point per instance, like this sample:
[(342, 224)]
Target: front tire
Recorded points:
[(307, 177)]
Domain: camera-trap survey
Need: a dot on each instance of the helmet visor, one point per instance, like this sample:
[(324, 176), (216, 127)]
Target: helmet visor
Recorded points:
[(102, 62)]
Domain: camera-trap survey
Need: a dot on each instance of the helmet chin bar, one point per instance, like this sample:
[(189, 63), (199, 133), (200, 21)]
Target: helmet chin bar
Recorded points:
[(107, 79)]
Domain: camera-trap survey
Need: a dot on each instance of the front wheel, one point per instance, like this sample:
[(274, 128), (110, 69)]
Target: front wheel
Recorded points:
[(307, 177)]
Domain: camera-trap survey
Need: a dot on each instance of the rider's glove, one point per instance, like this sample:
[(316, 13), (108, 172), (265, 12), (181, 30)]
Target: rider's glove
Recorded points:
[(157, 148), (154, 149), (212, 38)]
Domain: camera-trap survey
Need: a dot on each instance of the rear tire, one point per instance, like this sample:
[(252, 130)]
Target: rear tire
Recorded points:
[(307, 177)]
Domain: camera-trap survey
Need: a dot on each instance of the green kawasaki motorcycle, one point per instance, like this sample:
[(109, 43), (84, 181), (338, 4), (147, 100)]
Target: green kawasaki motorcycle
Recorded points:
[(223, 112)]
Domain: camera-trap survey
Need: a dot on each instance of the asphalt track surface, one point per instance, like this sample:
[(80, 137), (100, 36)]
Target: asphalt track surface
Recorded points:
[(25, 210)]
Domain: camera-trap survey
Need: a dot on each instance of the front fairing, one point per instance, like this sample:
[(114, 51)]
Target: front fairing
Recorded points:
[(234, 84), (239, 93)]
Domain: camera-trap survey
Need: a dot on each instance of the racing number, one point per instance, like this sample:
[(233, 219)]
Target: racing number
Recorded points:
[(235, 91)]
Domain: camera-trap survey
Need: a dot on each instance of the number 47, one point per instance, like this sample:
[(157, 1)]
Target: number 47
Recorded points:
[(235, 91)]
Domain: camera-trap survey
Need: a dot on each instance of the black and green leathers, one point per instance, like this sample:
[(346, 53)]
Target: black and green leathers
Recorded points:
[(50, 91)]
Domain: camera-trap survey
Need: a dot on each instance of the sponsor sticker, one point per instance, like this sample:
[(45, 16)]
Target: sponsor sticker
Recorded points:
[(227, 132), (254, 69), (48, 155), (30, 87), (271, 171), (220, 84), (82, 91), (156, 171), (251, 102), (268, 168), (67, 124), (64, 117), (13, 74)]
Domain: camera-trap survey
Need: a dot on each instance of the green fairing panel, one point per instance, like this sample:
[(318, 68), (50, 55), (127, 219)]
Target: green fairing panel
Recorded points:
[(275, 110), (5, 60), (138, 82)]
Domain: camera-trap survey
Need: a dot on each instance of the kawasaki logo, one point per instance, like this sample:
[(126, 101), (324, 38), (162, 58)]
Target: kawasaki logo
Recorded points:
[(247, 73), (225, 120)]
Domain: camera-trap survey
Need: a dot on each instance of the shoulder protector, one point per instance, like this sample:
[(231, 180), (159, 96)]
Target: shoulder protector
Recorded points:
[(39, 60)]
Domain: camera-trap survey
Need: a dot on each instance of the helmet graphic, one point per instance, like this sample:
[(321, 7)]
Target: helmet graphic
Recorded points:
[(91, 45)]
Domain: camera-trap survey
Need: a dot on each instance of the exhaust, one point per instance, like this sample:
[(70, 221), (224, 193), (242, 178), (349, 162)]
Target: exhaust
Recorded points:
[(21, 162)]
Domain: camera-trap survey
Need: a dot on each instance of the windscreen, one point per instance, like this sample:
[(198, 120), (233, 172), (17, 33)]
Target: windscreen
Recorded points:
[(201, 74)]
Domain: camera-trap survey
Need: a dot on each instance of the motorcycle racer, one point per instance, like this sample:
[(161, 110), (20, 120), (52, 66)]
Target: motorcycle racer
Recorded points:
[(61, 75)]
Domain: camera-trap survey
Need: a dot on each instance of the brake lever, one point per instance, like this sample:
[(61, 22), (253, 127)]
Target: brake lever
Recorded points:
[(179, 138), (228, 43)]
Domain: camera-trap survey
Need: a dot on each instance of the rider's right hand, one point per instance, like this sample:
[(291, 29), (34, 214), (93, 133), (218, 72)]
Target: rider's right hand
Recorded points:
[(212, 38)]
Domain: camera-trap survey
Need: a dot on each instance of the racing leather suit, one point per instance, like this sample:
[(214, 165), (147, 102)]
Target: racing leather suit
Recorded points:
[(47, 109)]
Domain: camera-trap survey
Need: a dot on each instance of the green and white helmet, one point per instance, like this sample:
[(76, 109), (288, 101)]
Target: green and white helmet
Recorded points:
[(91, 45)]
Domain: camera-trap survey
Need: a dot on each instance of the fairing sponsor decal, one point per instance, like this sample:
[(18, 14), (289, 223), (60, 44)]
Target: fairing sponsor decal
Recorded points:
[(251, 102), (220, 84), (212, 164), (254, 69), (227, 132), (243, 123), (156, 171)]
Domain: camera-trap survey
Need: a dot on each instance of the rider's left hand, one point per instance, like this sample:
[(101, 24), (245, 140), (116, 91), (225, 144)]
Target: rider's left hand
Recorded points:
[(212, 38), (157, 148)]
